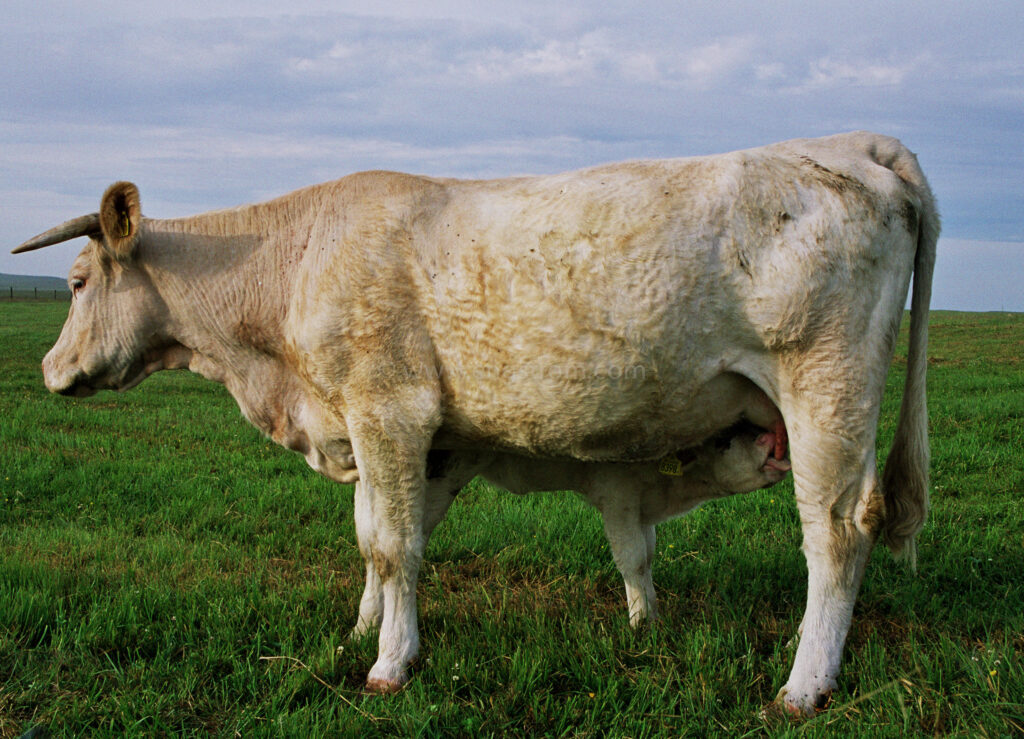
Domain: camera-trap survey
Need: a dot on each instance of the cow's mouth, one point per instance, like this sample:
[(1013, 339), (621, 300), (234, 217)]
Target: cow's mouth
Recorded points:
[(77, 389), (80, 384), (77, 383)]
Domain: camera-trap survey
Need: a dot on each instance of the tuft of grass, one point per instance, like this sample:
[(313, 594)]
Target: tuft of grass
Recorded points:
[(164, 569)]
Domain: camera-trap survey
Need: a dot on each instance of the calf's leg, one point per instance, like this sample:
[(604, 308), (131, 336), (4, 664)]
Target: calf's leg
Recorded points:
[(632, 545)]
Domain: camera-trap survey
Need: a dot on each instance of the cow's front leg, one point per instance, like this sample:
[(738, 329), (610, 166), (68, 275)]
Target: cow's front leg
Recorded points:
[(371, 605), (447, 474), (391, 450), (392, 543)]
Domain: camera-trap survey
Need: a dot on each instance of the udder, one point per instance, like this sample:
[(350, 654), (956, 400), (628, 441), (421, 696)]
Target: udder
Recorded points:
[(721, 403)]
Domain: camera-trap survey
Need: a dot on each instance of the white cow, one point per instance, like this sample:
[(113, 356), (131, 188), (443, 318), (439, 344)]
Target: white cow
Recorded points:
[(612, 315)]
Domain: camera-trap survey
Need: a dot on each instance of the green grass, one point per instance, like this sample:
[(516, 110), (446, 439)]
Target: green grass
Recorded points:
[(164, 570)]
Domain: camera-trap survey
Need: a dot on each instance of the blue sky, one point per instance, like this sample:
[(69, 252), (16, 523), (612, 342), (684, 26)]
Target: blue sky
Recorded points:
[(207, 104)]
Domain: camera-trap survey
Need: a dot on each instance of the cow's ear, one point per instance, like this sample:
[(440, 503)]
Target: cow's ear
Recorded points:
[(120, 218)]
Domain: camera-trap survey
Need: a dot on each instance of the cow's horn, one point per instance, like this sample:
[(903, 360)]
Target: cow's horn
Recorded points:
[(82, 226)]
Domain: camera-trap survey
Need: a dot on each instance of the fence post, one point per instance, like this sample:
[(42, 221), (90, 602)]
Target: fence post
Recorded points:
[(35, 293)]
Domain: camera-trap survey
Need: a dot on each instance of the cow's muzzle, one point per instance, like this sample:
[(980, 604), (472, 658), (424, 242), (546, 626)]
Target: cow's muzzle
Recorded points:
[(73, 384), (65, 380)]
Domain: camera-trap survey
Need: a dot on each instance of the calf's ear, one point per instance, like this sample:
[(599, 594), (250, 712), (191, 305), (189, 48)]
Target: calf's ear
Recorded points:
[(120, 218)]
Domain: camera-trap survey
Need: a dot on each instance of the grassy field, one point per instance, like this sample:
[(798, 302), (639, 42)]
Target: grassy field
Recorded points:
[(164, 569)]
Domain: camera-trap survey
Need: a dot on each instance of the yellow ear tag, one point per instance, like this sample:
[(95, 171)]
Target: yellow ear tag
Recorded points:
[(671, 465), (126, 226), (675, 463)]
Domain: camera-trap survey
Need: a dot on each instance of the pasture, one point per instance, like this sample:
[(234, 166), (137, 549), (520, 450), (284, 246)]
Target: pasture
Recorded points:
[(165, 569)]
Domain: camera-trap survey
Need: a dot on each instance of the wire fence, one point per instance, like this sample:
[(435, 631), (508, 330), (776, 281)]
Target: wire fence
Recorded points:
[(10, 293)]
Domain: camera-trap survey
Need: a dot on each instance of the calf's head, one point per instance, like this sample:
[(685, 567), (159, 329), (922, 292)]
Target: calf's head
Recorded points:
[(117, 317)]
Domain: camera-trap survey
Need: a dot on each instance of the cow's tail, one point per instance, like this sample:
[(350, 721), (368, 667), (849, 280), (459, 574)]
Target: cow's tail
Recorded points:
[(905, 478)]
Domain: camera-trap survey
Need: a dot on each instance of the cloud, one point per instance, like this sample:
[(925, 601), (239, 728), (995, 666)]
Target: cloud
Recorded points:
[(592, 57), (828, 72), (770, 71), (709, 64), (600, 56)]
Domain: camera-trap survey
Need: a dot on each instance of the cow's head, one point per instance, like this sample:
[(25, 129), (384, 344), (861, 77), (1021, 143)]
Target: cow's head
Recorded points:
[(116, 319)]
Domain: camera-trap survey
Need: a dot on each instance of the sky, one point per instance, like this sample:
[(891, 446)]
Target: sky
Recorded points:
[(213, 104)]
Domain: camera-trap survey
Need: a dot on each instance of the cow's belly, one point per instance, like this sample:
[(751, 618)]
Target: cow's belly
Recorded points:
[(621, 418)]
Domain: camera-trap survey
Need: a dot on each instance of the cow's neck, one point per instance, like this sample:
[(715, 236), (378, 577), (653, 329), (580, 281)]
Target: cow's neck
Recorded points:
[(226, 277), (226, 280)]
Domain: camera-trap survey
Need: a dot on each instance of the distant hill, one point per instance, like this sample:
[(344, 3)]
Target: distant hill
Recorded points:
[(27, 282), (33, 287)]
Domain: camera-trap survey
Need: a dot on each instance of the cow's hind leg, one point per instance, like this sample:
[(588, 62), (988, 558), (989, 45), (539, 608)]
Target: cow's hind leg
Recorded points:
[(841, 510)]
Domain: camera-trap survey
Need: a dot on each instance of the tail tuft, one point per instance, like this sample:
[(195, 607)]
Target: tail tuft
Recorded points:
[(905, 482)]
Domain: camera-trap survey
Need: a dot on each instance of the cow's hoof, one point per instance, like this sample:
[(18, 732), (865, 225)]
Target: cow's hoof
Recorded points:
[(796, 707), (387, 677), (384, 687), (776, 712), (364, 627)]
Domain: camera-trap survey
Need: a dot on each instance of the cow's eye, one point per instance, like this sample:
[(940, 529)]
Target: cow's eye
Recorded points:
[(77, 284)]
